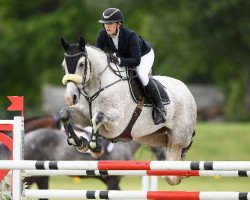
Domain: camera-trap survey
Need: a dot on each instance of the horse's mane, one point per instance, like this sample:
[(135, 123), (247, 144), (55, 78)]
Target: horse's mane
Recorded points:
[(94, 47)]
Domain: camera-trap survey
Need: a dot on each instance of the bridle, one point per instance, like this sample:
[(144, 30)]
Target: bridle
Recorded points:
[(77, 79)]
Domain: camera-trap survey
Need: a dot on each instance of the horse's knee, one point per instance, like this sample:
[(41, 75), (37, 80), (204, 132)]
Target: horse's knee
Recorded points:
[(64, 114), (98, 119)]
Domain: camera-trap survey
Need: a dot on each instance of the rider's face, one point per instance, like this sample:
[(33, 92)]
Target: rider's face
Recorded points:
[(111, 28)]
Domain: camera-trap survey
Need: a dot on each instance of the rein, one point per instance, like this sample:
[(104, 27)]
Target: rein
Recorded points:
[(90, 99)]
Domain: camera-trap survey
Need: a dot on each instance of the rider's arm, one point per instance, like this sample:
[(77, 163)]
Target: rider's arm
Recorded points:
[(135, 53)]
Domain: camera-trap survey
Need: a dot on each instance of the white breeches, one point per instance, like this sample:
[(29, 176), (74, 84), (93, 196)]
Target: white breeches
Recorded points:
[(144, 69)]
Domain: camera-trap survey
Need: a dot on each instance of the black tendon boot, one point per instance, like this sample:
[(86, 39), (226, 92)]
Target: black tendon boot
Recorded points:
[(159, 112)]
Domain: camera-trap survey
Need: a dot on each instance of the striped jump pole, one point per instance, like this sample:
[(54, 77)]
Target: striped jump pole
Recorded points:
[(126, 165), (136, 173), (153, 195)]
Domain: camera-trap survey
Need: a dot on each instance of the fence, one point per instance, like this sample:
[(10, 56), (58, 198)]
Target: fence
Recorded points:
[(149, 168)]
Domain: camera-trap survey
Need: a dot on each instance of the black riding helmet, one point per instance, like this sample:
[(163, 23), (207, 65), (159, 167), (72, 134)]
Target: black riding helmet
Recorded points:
[(111, 15)]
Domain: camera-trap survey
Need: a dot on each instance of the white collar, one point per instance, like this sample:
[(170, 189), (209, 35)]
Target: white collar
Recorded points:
[(115, 36)]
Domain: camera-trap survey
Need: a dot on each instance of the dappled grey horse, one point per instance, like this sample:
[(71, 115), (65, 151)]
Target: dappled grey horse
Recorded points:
[(98, 93)]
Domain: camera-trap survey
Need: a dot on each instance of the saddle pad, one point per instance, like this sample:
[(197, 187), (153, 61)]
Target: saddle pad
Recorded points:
[(137, 90)]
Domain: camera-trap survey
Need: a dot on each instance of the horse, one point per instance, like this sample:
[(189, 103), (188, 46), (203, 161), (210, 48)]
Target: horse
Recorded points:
[(98, 95), (48, 144)]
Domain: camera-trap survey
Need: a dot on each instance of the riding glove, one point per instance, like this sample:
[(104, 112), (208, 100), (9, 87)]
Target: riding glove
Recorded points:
[(113, 58)]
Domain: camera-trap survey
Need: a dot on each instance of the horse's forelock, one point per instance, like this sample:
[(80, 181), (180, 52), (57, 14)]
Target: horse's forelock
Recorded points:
[(72, 57), (74, 49)]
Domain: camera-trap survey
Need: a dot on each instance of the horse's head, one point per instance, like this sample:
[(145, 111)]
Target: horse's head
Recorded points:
[(76, 67)]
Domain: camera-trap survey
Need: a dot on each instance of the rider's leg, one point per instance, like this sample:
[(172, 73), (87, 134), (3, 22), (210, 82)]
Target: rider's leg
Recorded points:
[(159, 112), (144, 72)]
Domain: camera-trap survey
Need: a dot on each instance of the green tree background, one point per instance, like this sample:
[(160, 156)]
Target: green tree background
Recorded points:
[(195, 41)]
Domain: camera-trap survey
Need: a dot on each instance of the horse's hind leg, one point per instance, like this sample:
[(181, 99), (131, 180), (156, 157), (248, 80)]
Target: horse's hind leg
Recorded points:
[(176, 149)]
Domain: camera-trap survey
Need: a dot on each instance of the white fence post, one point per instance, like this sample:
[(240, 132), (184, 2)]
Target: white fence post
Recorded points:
[(18, 142)]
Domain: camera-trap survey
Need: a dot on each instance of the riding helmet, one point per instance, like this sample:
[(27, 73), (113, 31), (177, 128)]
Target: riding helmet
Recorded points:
[(111, 15)]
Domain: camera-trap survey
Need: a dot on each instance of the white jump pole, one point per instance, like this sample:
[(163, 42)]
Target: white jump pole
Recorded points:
[(113, 194), (143, 173)]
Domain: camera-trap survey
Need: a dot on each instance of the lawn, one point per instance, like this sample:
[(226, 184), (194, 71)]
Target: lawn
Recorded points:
[(213, 141)]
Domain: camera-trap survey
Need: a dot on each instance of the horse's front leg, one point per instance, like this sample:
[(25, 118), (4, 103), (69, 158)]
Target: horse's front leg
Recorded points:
[(80, 143), (94, 143)]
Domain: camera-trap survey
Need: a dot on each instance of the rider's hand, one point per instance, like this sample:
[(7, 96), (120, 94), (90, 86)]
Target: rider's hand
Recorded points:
[(113, 58)]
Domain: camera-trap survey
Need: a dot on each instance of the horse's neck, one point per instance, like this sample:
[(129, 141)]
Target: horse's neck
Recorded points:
[(101, 74), (134, 146)]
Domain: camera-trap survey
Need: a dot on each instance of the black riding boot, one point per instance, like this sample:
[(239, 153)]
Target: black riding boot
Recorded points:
[(159, 112)]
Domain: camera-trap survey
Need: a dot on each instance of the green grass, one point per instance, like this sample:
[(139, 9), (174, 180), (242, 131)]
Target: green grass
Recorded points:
[(213, 141)]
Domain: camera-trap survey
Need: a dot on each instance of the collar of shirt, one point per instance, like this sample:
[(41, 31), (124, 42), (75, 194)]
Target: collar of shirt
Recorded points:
[(115, 39)]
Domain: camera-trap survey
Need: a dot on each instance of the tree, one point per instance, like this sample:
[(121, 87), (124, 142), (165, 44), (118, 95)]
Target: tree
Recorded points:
[(195, 41)]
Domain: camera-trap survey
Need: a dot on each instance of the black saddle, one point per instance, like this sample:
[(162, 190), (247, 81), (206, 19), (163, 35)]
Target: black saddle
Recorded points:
[(137, 90)]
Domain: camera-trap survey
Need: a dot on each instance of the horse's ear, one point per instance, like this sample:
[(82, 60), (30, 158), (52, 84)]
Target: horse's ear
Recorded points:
[(82, 43), (64, 44)]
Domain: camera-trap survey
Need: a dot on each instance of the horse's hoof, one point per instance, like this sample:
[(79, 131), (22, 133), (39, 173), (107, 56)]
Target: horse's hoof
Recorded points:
[(97, 154), (173, 180), (83, 149)]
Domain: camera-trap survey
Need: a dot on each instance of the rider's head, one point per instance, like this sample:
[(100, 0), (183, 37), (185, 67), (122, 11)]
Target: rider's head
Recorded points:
[(112, 19)]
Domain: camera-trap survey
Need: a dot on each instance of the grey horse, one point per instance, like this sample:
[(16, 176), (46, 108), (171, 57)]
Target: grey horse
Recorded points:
[(98, 93)]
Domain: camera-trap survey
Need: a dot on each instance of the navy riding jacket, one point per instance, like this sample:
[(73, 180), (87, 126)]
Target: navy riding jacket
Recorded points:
[(131, 47)]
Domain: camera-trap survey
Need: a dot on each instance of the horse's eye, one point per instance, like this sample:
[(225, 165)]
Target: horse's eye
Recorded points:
[(81, 64)]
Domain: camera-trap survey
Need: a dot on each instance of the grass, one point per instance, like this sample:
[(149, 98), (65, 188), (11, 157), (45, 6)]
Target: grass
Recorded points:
[(213, 141)]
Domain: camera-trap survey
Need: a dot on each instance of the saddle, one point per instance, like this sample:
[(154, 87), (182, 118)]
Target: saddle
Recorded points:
[(137, 90)]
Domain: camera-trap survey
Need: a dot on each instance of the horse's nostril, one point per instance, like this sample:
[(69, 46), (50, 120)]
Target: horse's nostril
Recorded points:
[(74, 98)]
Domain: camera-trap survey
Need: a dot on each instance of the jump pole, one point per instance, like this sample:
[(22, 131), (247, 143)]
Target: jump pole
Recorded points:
[(113, 194), (136, 173), (125, 165)]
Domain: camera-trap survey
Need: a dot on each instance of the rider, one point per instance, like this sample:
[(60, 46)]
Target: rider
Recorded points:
[(130, 50)]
